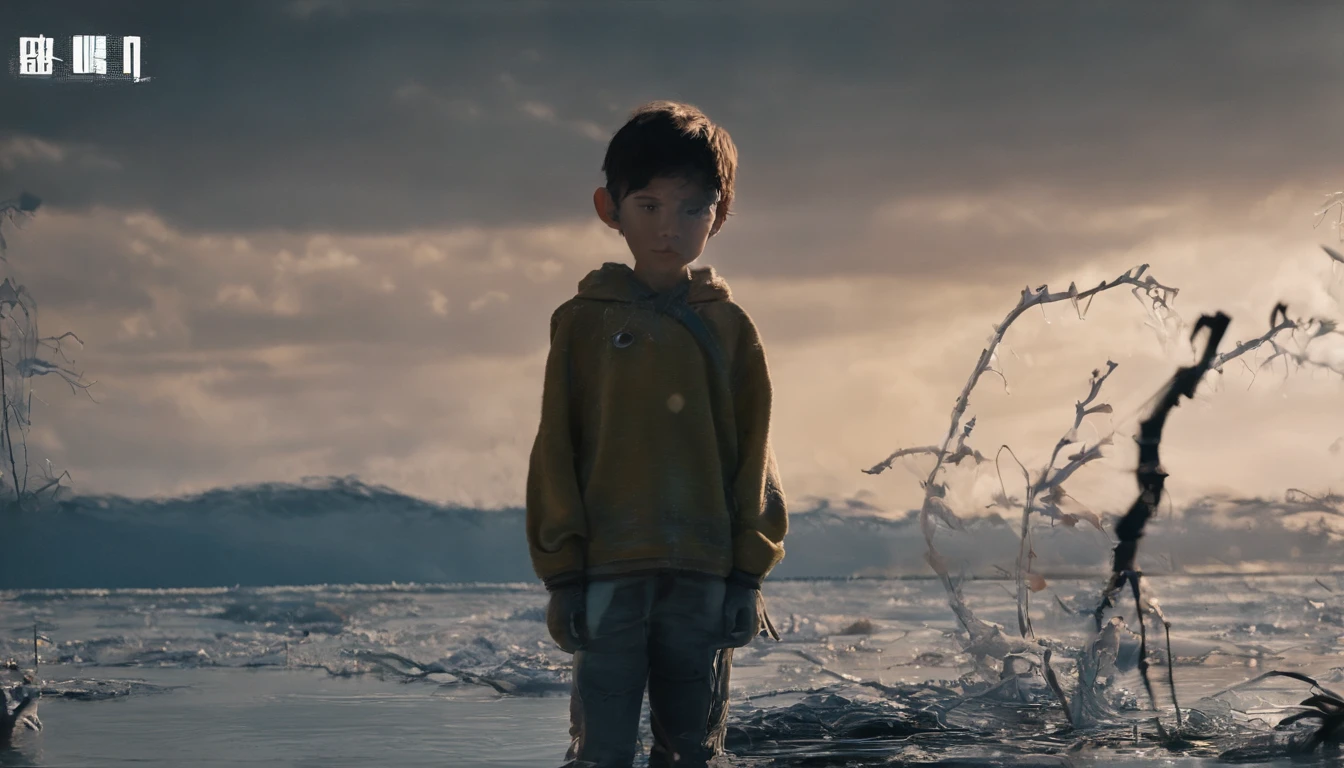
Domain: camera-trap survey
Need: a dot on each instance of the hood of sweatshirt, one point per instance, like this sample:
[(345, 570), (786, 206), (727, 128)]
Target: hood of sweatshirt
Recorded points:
[(615, 281)]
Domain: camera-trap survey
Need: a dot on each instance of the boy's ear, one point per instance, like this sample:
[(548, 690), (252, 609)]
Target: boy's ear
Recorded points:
[(720, 218), (606, 208)]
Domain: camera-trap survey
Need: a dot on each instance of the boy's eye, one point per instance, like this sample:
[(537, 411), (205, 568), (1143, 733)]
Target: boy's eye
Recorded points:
[(691, 211)]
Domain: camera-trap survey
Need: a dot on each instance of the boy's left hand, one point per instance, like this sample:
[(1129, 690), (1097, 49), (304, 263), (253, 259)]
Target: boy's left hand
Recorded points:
[(566, 619), (741, 609)]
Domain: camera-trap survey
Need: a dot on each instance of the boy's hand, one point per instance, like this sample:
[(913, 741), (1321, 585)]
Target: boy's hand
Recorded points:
[(741, 608), (566, 615)]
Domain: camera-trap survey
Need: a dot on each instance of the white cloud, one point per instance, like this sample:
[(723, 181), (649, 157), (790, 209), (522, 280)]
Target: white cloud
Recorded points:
[(543, 271), (238, 295), (416, 95), (30, 149), (545, 113), (286, 303), (485, 300), (591, 130), (1007, 211), (538, 111), (426, 253), (316, 259), (136, 326), (149, 225), (438, 303), (17, 150)]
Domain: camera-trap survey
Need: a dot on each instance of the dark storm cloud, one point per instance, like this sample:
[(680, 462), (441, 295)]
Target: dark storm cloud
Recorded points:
[(358, 117)]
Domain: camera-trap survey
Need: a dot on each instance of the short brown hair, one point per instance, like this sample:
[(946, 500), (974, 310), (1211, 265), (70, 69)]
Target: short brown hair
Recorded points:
[(671, 139)]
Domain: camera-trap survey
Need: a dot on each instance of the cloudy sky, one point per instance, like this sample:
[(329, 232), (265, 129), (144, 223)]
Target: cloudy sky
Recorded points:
[(327, 235)]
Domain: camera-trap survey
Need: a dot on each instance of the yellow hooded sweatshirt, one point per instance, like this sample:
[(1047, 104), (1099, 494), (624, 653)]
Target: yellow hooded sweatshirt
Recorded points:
[(625, 474)]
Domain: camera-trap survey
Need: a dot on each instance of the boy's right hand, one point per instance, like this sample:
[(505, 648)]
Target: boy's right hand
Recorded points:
[(566, 616), (741, 608)]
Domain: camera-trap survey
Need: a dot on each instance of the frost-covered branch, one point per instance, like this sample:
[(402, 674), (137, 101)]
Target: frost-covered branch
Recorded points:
[(1050, 482), (953, 457), (22, 206), (1333, 200), (1146, 288), (1278, 323), (1315, 329), (21, 361)]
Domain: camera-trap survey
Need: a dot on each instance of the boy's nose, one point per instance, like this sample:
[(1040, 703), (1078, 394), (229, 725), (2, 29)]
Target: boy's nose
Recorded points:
[(668, 225)]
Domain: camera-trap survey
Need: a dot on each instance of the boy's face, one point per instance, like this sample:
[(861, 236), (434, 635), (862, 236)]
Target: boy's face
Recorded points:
[(666, 224)]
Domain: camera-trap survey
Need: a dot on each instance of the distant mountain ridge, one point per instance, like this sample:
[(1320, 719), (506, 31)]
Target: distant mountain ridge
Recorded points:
[(343, 530)]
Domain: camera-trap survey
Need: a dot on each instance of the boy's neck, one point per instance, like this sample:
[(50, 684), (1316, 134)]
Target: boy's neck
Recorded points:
[(662, 282)]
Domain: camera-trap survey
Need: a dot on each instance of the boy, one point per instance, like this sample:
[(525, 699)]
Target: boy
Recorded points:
[(654, 507)]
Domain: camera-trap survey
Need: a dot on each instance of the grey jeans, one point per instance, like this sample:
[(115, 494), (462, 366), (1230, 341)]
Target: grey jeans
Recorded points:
[(664, 631)]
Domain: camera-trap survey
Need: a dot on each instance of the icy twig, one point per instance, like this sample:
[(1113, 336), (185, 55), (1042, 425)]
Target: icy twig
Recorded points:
[(18, 709), (1278, 322), (1334, 200), (1050, 481)]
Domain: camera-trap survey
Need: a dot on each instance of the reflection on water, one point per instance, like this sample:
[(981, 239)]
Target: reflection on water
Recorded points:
[(867, 673)]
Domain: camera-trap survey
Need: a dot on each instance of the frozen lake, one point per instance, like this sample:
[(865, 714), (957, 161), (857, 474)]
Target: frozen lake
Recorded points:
[(412, 675)]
